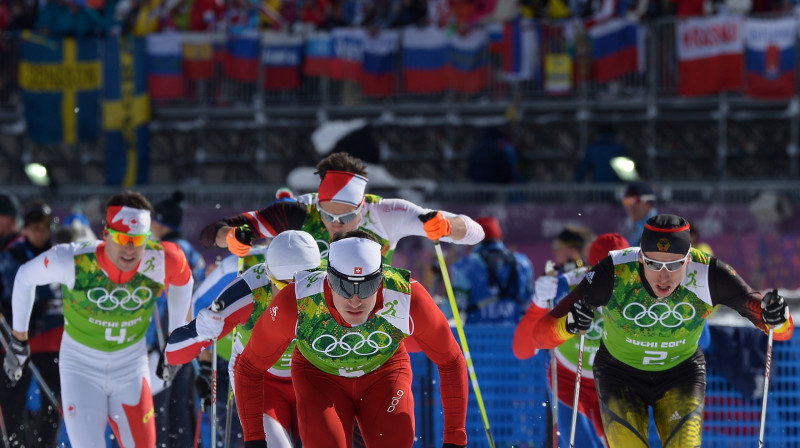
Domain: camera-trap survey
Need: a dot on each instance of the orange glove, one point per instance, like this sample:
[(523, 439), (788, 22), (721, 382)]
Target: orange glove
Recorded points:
[(239, 240), (437, 227)]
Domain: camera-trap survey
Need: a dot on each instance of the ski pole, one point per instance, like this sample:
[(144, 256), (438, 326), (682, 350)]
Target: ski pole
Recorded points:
[(160, 336), (554, 392), (577, 392), (213, 412), (766, 389), (35, 371), (231, 398), (449, 288)]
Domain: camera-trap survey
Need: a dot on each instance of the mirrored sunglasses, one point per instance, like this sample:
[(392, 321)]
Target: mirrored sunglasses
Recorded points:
[(671, 266), (343, 218), (123, 238), (348, 286)]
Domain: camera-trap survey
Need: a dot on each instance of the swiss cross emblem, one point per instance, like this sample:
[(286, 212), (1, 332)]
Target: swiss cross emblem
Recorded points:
[(46, 262), (357, 270)]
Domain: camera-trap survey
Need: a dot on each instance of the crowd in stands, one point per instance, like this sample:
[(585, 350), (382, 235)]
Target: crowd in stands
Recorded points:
[(140, 17)]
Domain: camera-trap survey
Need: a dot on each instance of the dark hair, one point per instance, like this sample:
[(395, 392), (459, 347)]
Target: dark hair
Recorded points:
[(131, 199), (341, 161), (36, 211), (357, 233)]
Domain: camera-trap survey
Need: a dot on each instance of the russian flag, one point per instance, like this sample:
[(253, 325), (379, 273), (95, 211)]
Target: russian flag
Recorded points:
[(424, 59), (520, 50), (496, 32), (769, 52), (198, 56), (710, 56), (380, 52), (615, 49), (319, 51), (164, 65), (281, 54), (241, 61), (348, 49), (467, 67)]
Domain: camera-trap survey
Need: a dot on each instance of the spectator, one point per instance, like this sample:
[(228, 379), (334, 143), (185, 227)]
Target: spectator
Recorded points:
[(494, 159), (598, 156), (206, 14), (9, 228), (492, 285), (408, 12), (568, 249), (174, 424), (47, 324), (639, 201), (695, 236)]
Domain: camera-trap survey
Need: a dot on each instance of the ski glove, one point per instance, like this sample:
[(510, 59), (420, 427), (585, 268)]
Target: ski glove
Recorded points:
[(202, 384), (774, 310), (239, 240), (209, 324), (436, 225), (580, 316), (16, 359), (545, 291), (164, 370)]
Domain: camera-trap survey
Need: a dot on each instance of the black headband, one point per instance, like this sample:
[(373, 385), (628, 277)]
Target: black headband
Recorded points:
[(667, 234)]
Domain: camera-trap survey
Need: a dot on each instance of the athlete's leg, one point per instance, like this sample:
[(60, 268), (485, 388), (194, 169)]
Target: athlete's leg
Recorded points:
[(622, 404), (130, 403), (325, 409), (678, 412), (280, 412), (84, 397), (386, 411)]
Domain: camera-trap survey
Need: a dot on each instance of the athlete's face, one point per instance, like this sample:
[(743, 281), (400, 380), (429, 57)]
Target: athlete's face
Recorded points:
[(338, 209), (354, 311), (125, 257), (664, 282)]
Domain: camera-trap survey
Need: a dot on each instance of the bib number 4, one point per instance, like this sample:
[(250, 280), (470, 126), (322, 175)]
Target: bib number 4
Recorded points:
[(119, 339)]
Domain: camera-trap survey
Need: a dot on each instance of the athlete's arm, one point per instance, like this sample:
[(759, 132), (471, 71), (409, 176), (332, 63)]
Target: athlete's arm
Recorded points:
[(56, 265), (551, 330), (523, 345), (728, 288), (272, 334), (267, 222), (432, 332), (178, 276), (400, 218)]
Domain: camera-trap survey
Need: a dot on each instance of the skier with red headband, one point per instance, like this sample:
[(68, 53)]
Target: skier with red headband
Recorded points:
[(655, 301), (110, 288), (340, 205), (349, 362)]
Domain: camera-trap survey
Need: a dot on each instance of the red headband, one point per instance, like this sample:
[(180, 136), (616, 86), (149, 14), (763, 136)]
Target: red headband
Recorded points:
[(343, 187)]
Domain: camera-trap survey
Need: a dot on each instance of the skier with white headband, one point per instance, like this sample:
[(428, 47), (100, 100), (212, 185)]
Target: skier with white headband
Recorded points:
[(243, 301), (340, 205), (349, 362), (109, 290)]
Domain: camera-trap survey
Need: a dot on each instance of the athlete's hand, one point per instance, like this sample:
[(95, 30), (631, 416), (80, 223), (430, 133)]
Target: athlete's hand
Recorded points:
[(436, 225), (545, 291), (580, 316), (164, 370), (17, 356), (240, 240), (202, 383), (774, 310), (209, 324)]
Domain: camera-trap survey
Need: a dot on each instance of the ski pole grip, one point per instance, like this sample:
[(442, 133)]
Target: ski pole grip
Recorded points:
[(217, 306), (427, 216)]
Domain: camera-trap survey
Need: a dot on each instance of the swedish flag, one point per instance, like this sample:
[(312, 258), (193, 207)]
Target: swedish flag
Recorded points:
[(126, 111), (60, 81)]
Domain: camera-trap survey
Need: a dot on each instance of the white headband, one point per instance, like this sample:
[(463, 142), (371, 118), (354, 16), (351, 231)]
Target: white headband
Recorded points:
[(355, 256)]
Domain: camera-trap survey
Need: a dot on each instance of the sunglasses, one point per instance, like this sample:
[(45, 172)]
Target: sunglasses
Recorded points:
[(343, 218), (280, 284), (348, 286), (671, 266), (631, 200), (123, 238)]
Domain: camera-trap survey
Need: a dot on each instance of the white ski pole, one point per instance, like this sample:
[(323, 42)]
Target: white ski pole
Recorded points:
[(577, 392), (216, 307), (766, 390), (231, 397)]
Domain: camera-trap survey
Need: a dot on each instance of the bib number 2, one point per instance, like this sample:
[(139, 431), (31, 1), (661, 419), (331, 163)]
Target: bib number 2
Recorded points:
[(656, 358)]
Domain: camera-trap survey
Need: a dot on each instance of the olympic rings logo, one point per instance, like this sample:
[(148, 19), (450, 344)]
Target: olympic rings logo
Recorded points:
[(119, 297), (658, 313), (595, 331), (351, 343)]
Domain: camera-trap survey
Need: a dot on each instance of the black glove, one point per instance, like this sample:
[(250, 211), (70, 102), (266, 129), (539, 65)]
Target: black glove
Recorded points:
[(164, 370), (202, 384), (16, 359), (774, 310), (244, 234), (453, 445), (580, 316)]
